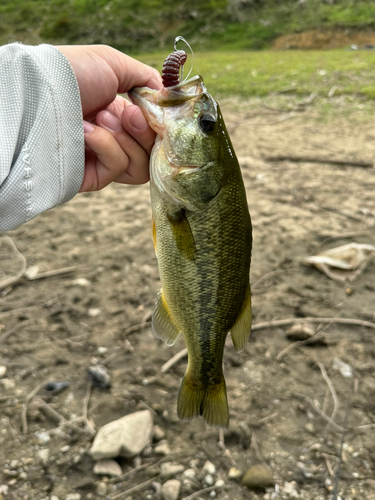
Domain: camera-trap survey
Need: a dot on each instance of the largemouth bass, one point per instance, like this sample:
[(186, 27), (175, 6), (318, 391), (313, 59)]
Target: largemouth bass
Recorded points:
[(202, 238)]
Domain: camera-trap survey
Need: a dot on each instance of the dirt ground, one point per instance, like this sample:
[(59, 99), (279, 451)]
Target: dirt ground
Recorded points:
[(54, 329)]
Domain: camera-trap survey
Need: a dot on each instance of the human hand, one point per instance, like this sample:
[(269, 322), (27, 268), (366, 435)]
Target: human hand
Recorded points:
[(120, 142)]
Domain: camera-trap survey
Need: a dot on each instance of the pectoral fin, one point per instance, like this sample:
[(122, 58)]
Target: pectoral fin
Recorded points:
[(182, 233), (241, 329), (163, 325)]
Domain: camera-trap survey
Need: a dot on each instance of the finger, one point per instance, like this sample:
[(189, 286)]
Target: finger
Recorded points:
[(138, 168), (137, 126), (105, 161)]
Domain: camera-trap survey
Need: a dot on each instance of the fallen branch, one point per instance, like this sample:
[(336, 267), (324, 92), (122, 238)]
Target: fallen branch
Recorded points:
[(139, 487), (13, 330), (311, 159), (291, 321), (12, 280), (175, 359), (56, 272), (321, 412), (29, 397), (332, 390)]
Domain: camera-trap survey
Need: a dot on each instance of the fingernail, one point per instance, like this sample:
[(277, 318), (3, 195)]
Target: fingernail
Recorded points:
[(111, 122), (87, 127), (138, 120), (154, 84)]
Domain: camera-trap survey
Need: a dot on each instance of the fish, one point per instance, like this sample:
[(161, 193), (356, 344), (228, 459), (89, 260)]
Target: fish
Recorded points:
[(202, 236)]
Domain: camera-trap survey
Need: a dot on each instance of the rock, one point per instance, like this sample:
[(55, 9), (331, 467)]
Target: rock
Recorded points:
[(56, 387), (102, 350), (3, 370), (190, 474), (93, 312), (162, 449), (209, 480), (159, 433), (101, 489), (99, 376), (168, 469), (43, 455), (234, 473), (81, 282), (107, 468), (125, 437), (171, 490), (209, 468), (73, 496), (301, 331), (8, 383), (258, 477), (219, 483), (65, 449), (54, 497)]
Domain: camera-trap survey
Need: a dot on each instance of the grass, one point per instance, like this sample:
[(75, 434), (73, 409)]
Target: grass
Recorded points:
[(136, 26), (296, 72)]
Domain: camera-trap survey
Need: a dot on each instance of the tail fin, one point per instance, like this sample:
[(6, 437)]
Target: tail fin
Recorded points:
[(210, 402)]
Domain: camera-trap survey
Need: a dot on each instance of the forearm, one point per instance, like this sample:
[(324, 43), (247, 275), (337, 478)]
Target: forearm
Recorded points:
[(41, 132)]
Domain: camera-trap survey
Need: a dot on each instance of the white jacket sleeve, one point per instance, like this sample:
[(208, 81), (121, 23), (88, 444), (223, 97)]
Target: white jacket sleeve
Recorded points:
[(41, 132)]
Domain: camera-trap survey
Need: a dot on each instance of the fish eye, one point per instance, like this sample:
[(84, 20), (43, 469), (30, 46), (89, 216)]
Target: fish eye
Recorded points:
[(207, 123)]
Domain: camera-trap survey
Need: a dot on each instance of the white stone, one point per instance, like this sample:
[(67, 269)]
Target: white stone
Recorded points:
[(3, 370), (190, 474), (159, 433), (8, 383), (93, 312), (54, 497), (219, 483), (73, 496), (101, 489), (65, 449), (234, 473), (107, 468), (171, 490), (81, 282), (168, 469), (125, 437), (43, 437), (102, 350), (162, 449), (43, 455), (209, 480), (209, 468)]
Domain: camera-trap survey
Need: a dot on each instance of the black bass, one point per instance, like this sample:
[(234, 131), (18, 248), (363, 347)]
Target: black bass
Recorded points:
[(202, 238)]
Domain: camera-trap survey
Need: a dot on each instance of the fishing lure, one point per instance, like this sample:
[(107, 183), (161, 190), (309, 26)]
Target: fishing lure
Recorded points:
[(171, 68)]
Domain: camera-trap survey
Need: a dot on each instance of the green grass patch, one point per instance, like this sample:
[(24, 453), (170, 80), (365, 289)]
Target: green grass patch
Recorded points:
[(296, 72)]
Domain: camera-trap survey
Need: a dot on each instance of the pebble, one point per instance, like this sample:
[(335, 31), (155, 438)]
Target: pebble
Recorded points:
[(209, 480), (65, 449), (170, 490), (159, 433), (107, 468), (3, 370), (302, 331), (219, 483), (169, 469), (258, 477), (125, 437), (190, 474), (56, 387), (99, 376), (93, 312), (73, 496), (162, 449), (81, 282), (102, 350), (345, 369), (209, 468), (54, 497), (8, 383), (101, 489), (234, 473), (43, 455)]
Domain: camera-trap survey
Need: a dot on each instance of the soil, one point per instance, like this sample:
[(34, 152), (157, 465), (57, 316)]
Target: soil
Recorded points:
[(326, 38), (66, 323)]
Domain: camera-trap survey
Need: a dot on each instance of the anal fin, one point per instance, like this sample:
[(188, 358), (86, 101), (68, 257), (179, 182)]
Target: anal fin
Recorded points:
[(240, 331), (163, 325)]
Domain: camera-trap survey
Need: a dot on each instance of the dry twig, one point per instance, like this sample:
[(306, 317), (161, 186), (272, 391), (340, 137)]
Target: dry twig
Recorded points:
[(321, 412), (12, 280), (29, 397), (175, 359), (56, 272), (90, 427), (332, 390), (290, 321), (13, 330), (312, 159), (139, 487)]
